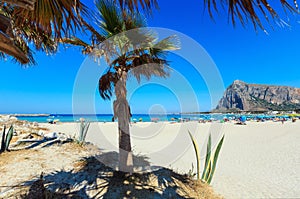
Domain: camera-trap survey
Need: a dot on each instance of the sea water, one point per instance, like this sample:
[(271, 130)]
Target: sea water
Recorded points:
[(142, 117), (134, 118)]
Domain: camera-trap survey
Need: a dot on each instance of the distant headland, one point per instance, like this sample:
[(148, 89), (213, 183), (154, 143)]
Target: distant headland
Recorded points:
[(241, 96)]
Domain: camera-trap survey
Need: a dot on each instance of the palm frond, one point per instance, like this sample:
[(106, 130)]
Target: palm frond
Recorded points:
[(86, 48), (133, 20), (141, 38), (150, 70), (161, 48), (97, 38), (18, 37), (37, 36), (110, 22), (136, 5), (54, 17), (245, 10), (2, 55), (16, 49), (170, 43), (5, 24), (106, 83), (48, 21), (114, 20), (148, 66), (74, 41), (26, 4)]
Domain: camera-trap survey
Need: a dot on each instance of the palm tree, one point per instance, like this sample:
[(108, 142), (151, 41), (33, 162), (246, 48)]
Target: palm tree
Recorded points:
[(134, 53), (41, 22)]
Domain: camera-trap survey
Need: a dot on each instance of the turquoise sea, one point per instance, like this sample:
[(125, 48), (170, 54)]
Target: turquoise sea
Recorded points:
[(108, 117), (139, 117)]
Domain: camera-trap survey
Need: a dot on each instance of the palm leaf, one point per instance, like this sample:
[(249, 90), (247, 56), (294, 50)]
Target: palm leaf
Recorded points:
[(134, 5), (55, 17), (170, 43), (106, 83), (37, 36), (245, 10), (49, 20), (74, 41), (97, 38), (111, 22), (148, 66), (26, 4), (9, 47), (86, 48)]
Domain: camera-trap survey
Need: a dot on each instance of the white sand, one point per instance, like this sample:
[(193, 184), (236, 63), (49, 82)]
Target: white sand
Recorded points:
[(259, 160)]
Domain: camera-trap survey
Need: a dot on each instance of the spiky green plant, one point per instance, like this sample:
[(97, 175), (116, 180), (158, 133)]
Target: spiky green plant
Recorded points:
[(6, 139), (9, 137), (197, 152), (211, 159), (84, 127), (3, 140)]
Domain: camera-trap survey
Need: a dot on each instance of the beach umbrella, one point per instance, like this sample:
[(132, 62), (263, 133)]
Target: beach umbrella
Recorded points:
[(243, 118), (13, 118)]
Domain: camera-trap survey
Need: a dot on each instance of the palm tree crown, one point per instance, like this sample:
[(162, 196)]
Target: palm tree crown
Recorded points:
[(128, 51)]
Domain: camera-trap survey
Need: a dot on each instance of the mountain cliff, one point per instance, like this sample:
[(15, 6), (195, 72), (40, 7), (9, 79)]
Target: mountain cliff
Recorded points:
[(255, 97)]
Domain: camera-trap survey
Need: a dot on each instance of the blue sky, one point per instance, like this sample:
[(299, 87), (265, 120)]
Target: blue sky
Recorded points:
[(239, 53)]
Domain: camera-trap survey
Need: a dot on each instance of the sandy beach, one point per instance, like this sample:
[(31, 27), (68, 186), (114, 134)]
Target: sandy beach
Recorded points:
[(257, 160)]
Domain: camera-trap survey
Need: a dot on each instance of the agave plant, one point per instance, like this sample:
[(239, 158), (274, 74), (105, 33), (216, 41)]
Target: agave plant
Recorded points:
[(84, 127), (5, 141), (210, 159)]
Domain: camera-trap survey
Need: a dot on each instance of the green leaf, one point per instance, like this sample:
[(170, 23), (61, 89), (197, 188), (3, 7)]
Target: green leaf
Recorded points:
[(216, 155), (197, 152), (9, 137), (3, 140), (86, 128), (207, 173), (207, 159)]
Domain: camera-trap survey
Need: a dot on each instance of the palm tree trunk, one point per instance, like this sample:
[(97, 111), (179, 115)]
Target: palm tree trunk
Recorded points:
[(122, 112)]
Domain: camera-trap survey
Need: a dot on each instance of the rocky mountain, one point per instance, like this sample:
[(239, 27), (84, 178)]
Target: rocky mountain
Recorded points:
[(255, 97)]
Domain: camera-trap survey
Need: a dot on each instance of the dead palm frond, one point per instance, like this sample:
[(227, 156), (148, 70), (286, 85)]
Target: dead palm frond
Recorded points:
[(41, 23), (54, 17), (26, 4)]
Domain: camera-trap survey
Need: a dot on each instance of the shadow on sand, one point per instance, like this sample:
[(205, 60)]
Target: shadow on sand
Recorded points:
[(92, 178)]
